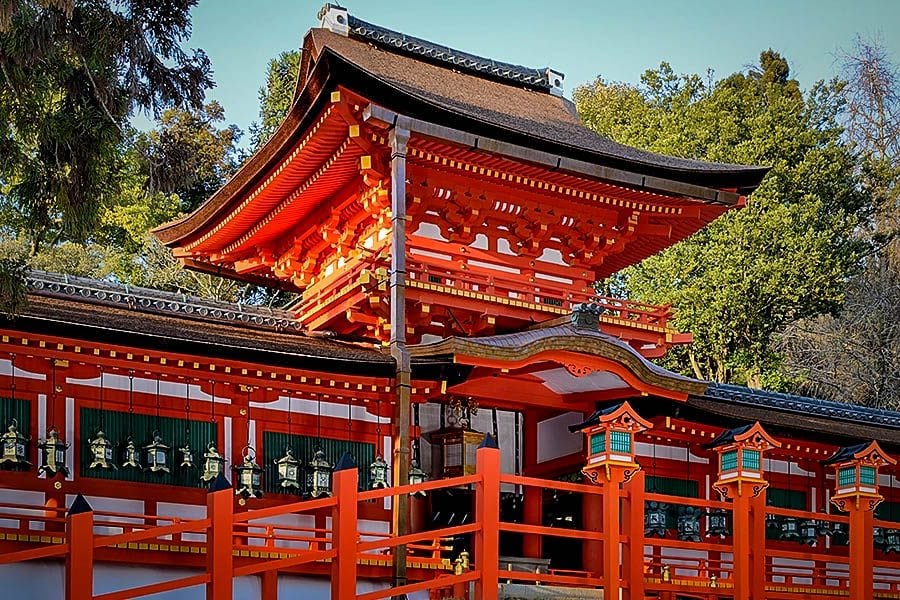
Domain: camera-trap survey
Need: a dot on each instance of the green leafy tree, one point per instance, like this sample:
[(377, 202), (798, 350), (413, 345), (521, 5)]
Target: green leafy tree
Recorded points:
[(74, 71), (276, 96), (787, 254)]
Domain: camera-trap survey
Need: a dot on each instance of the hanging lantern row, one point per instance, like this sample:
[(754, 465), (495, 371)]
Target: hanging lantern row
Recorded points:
[(687, 522)]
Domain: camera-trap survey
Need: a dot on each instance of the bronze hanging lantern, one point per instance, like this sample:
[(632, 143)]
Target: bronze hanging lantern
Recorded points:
[(688, 524), (131, 458), (656, 519), (53, 455), (717, 524), (15, 451), (249, 476), (378, 472), (213, 464), (187, 456), (415, 477), (318, 475), (157, 454), (288, 470), (101, 452)]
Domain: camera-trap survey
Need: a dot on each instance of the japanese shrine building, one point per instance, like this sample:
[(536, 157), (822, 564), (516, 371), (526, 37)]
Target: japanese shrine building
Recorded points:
[(448, 408)]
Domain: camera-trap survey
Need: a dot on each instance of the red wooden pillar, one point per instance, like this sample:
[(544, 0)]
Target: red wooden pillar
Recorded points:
[(533, 509), (269, 585), (344, 530), (758, 559), (861, 550), (219, 556), (592, 520), (487, 513), (80, 557), (612, 532), (633, 556), (741, 539)]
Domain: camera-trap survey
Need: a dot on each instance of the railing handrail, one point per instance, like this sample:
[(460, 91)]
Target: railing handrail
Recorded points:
[(686, 501), (550, 484), (427, 486)]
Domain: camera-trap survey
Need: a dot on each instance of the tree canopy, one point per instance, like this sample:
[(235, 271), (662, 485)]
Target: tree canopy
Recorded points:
[(786, 255)]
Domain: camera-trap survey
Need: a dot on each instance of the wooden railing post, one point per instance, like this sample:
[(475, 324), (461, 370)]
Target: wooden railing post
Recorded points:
[(219, 543), (862, 551), (633, 556), (344, 533), (80, 557), (487, 514)]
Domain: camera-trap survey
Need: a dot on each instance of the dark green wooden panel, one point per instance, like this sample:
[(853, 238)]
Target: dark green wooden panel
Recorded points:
[(17, 409), (672, 486), (304, 448), (888, 511), (781, 498), (118, 425)]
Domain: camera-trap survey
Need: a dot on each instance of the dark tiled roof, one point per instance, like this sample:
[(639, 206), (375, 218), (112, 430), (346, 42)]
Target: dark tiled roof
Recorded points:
[(803, 405), (86, 308), (457, 59), (846, 453), (727, 436), (156, 301), (508, 110)]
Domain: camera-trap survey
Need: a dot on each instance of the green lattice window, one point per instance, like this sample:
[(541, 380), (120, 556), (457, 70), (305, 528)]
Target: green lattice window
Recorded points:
[(119, 425), (598, 443), (304, 448), (620, 441), (846, 476), (750, 459), (728, 461), (867, 475)]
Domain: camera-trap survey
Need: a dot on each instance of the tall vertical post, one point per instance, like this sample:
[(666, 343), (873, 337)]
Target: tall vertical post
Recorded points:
[(268, 583), (219, 557), (533, 509), (633, 556), (80, 557), (344, 529), (611, 463), (856, 492), (741, 477), (399, 137), (487, 514), (612, 533)]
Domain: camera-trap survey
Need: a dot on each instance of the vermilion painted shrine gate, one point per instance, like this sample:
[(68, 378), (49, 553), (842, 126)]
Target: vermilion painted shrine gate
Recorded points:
[(448, 409)]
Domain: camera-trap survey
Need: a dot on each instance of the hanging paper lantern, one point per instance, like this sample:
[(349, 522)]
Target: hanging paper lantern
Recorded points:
[(187, 456), (131, 457), (249, 476), (157, 454), (378, 472), (101, 452), (213, 463), (288, 470), (318, 475), (656, 519), (688, 524), (717, 524), (15, 454), (416, 476), (53, 455)]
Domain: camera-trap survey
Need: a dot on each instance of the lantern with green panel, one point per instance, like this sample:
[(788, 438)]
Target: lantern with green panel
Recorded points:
[(609, 434), (741, 452), (856, 474)]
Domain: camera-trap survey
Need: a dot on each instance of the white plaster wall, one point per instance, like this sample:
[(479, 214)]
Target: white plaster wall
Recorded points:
[(554, 438)]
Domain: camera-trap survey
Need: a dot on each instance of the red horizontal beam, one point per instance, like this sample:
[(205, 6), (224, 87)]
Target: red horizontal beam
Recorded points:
[(418, 537), (153, 532), (551, 484), (34, 554), (435, 484), (285, 509), (284, 563), (440, 582), (551, 531), (155, 588), (572, 580)]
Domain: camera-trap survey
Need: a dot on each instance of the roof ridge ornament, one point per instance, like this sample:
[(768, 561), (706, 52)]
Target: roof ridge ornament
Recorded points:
[(335, 18), (586, 316)]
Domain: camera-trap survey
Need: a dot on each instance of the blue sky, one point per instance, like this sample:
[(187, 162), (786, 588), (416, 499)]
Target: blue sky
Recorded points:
[(582, 38)]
